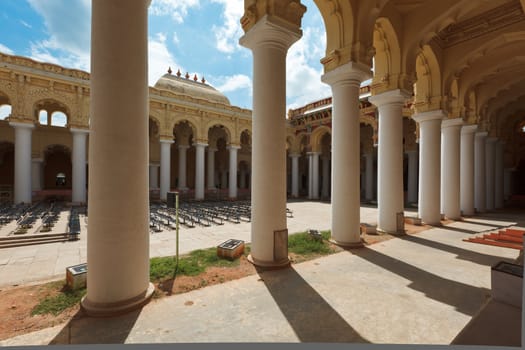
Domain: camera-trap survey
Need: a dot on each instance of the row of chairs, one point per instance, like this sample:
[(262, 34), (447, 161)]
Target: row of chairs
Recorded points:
[(74, 223)]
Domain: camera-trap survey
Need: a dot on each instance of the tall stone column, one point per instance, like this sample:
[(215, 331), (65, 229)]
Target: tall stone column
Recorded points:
[(165, 168), (507, 182), (466, 170), (199, 169), (36, 176), (310, 175), (295, 174), (390, 160), (78, 161), (23, 183), (450, 182), (315, 175), (269, 41), (232, 189), (429, 166), (490, 171), (325, 187), (224, 179), (344, 82), (117, 248), (211, 167), (412, 176), (154, 176), (369, 177), (498, 176), (242, 178), (182, 166), (480, 186)]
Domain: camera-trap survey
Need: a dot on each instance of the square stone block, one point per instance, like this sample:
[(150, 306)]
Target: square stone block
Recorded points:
[(76, 276), (231, 249)]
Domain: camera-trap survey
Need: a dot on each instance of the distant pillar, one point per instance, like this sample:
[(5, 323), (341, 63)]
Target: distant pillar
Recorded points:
[(182, 166), (199, 170), (211, 168), (344, 82), (490, 162), (451, 131), (154, 176), (36, 177), (242, 178), (498, 176), (295, 174), (429, 166), (466, 170), (315, 175), (23, 183), (480, 172), (78, 161), (232, 189), (118, 243), (369, 177), (325, 188), (165, 168), (412, 176), (390, 160)]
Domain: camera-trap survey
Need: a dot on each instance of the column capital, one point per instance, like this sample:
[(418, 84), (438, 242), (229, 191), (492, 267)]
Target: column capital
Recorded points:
[(294, 155), (166, 141), (447, 123), (492, 139), (154, 164), (271, 31), (313, 153), (183, 146), (230, 147), (200, 144), (22, 125), (37, 160), (351, 73), (396, 96), (469, 129), (212, 149), (480, 134), (79, 131), (428, 116)]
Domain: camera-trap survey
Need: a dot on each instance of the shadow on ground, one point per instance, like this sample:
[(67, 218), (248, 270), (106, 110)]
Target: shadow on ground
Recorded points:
[(82, 329), (309, 315), (465, 298), (462, 254)]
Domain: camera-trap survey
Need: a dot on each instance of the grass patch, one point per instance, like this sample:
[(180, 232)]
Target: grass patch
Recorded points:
[(191, 264), (55, 305), (304, 244)]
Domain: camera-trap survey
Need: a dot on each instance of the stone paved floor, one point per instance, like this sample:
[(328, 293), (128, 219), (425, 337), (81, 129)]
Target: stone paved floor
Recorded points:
[(418, 289)]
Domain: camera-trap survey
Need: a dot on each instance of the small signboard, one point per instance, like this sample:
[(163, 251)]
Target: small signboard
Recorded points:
[(76, 276)]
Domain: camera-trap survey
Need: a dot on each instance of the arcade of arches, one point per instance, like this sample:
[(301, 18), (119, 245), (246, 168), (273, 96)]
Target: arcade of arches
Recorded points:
[(440, 124)]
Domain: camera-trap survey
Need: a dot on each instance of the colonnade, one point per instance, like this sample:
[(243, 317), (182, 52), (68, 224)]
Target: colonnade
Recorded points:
[(28, 172), (202, 182)]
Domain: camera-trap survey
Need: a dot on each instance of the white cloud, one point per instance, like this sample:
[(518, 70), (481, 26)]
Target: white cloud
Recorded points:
[(25, 24), (5, 49), (303, 79), (178, 9), (175, 39), (160, 58), (234, 83), (68, 25), (228, 34)]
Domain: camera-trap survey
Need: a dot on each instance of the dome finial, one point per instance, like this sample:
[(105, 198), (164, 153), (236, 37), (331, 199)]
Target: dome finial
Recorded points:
[(169, 70), (203, 80), (195, 77), (187, 76), (178, 73)]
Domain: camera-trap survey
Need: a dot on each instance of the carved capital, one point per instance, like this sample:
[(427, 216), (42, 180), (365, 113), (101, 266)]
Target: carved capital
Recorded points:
[(288, 11)]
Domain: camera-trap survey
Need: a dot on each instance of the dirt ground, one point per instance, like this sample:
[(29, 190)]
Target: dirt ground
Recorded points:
[(16, 302)]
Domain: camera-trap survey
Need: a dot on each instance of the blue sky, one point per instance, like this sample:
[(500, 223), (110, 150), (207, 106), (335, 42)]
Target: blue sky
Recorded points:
[(196, 36)]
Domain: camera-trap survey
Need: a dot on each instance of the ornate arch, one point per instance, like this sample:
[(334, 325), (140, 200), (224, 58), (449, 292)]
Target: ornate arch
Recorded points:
[(428, 84)]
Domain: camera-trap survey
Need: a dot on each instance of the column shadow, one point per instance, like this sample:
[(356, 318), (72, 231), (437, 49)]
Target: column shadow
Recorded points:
[(462, 230), (462, 254), (464, 298), (310, 316), (491, 226), (82, 329)]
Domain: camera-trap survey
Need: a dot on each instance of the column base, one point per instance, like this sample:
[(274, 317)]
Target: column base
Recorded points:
[(393, 233), (117, 308), (351, 245), (269, 264)]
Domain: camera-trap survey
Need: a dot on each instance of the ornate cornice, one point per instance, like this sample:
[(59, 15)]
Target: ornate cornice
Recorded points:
[(482, 24)]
